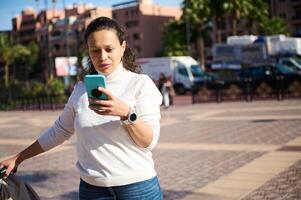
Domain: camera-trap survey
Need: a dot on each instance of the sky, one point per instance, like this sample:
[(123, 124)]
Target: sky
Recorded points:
[(11, 8)]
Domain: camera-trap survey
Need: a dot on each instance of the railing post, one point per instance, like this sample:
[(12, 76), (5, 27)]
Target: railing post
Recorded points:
[(218, 88), (248, 88), (280, 91)]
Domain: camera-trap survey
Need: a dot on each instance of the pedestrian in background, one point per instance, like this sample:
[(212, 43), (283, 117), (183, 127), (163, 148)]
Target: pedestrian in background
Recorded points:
[(162, 87), (170, 90), (166, 88), (115, 137)]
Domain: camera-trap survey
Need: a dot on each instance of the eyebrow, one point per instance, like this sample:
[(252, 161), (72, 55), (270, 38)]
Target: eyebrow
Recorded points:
[(97, 47)]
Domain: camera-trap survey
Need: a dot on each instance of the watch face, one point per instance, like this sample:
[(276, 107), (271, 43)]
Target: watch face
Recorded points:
[(133, 117)]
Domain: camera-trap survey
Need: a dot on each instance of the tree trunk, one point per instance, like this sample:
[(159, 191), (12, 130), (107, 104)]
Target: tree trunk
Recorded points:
[(235, 17), (218, 30), (217, 38), (214, 28), (234, 25), (253, 28), (6, 75)]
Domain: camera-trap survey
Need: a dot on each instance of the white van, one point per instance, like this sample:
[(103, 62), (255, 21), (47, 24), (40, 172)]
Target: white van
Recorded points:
[(182, 70)]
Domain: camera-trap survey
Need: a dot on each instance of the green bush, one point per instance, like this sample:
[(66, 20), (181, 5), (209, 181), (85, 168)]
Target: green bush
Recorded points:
[(37, 88), (55, 87), (31, 89)]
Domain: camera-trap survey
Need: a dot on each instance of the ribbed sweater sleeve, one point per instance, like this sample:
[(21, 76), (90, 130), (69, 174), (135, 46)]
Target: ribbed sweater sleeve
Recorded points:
[(62, 129), (148, 104)]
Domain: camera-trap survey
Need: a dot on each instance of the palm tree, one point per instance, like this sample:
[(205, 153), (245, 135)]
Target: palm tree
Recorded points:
[(273, 26), (236, 10), (174, 43), (198, 14), (31, 60), (257, 13), (217, 12), (8, 52)]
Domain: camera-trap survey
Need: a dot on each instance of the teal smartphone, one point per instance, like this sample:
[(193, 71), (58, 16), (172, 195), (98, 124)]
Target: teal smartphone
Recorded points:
[(92, 82)]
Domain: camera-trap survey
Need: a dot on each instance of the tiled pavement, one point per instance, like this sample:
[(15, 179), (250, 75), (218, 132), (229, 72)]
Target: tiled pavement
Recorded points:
[(207, 151)]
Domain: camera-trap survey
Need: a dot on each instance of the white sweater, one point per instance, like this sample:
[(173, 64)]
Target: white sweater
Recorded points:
[(107, 156)]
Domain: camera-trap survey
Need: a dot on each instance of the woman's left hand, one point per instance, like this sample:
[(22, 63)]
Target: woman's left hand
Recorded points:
[(113, 106)]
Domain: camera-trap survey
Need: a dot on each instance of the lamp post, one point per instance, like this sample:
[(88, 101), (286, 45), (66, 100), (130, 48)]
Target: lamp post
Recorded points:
[(67, 78), (49, 46), (48, 43)]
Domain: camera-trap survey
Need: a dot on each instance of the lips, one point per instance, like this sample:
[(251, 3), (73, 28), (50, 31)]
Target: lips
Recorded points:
[(104, 65)]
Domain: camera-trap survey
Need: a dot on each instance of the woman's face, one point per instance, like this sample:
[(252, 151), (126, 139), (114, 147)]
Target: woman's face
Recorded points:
[(105, 50)]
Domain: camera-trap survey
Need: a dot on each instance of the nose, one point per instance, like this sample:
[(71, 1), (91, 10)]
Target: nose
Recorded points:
[(103, 55)]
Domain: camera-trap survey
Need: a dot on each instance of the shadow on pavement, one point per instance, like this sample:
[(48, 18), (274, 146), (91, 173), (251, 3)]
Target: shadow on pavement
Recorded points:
[(175, 194), (70, 195), (35, 177)]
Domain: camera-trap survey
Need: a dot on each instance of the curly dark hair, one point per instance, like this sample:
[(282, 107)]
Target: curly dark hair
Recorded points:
[(105, 23)]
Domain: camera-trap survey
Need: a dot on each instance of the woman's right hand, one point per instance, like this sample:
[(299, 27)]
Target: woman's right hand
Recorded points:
[(11, 164)]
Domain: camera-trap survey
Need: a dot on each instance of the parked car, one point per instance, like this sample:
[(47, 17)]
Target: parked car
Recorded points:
[(273, 79), (267, 72), (257, 81)]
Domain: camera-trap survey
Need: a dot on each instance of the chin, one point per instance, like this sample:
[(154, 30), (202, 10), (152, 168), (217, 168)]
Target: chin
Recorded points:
[(104, 71)]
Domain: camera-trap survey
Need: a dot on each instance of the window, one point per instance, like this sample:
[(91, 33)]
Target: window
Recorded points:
[(183, 71), (56, 47), (131, 24), (196, 70), (27, 33), (136, 36), (282, 15), (288, 63), (55, 33), (285, 69)]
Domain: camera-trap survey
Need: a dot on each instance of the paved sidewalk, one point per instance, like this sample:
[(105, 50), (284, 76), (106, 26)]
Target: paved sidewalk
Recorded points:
[(206, 151)]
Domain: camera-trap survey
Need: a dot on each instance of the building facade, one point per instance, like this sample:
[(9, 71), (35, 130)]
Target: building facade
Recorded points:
[(55, 29), (25, 26), (143, 21), (60, 32)]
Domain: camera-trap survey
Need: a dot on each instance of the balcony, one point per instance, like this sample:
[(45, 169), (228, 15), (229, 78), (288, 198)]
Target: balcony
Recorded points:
[(295, 3), (296, 20)]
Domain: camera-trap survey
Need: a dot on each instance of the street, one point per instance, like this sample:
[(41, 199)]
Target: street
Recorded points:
[(233, 150)]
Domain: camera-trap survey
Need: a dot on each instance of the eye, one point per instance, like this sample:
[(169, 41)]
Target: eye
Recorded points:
[(109, 49)]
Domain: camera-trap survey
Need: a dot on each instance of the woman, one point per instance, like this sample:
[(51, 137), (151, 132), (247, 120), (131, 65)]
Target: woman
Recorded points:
[(114, 137), (162, 88), (170, 90), (166, 89)]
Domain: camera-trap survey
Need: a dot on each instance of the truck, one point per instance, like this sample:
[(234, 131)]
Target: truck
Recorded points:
[(182, 70), (248, 50)]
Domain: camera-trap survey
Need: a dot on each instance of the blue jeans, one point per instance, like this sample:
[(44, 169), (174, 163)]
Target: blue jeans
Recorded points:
[(144, 190)]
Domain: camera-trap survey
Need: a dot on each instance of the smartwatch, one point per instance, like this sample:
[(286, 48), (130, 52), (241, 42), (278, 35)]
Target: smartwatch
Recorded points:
[(132, 117)]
